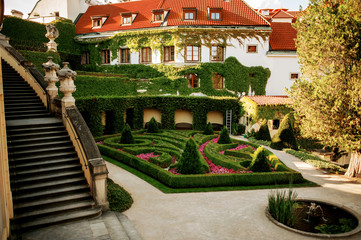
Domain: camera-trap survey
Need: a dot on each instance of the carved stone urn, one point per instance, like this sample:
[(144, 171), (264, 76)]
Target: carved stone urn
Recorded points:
[(52, 33), (67, 77)]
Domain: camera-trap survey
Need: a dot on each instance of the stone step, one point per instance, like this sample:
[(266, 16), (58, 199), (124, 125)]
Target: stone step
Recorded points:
[(31, 153), (20, 173), (26, 112), (31, 123), (63, 218), (45, 156), (32, 104), (36, 140), (50, 184), (50, 201), (25, 116), (26, 108), (44, 146), (59, 191), (30, 136), (30, 129), (54, 210), (37, 164)]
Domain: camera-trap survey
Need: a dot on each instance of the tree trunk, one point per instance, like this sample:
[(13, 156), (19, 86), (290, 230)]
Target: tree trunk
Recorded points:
[(355, 165)]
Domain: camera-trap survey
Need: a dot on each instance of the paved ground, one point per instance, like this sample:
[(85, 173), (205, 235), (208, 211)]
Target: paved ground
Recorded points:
[(225, 215)]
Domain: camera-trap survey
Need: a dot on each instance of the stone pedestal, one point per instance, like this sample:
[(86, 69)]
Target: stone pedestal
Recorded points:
[(67, 77)]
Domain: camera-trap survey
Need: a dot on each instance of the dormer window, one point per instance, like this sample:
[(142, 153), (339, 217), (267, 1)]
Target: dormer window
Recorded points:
[(215, 14), (158, 15), (126, 19), (189, 13), (98, 21)]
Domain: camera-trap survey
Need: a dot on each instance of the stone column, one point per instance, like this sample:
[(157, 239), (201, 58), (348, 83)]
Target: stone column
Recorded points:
[(67, 77), (52, 33), (51, 78), (99, 174)]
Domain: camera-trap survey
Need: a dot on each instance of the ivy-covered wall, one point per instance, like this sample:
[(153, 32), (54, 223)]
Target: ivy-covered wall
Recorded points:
[(115, 108)]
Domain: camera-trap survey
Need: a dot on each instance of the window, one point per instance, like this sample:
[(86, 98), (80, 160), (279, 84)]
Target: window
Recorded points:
[(251, 75), (168, 54), (124, 55), (105, 56), (85, 58), (193, 81), (126, 19), (217, 80), (157, 15), (252, 48), (146, 55), (217, 53), (189, 14), (97, 22), (276, 124), (192, 53), (294, 76), (215, 14), (56, 14)]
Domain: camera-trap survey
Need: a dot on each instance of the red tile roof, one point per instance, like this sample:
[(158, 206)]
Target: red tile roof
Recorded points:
[(282, 14), (270, 100), (235, 13), (282, 37)]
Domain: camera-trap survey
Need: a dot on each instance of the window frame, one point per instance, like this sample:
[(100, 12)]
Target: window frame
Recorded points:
[(148, 55), (85, 58), (124, 17), (127, 52), (218, 59), (170, 50), (215, 11), (294, 78), (251, 46), (98, 21), (194, 78), (217, 77), (198, 53), (158, 13), (189, 11), (105, 59)]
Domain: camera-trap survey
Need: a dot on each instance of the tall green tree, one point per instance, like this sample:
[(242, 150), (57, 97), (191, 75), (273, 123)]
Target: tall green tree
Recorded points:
[(328, 95)]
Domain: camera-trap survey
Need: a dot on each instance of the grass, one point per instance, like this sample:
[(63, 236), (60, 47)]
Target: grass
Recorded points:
[(281, 206), (119, 199), (165, 189)]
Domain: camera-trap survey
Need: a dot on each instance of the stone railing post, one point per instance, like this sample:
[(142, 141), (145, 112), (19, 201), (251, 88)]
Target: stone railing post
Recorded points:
[(67, 77), (52, 33), (99, 181), (51, 78)]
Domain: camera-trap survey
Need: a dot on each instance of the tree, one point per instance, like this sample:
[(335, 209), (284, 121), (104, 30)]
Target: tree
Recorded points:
[(260, 162), (285, 136), (153, 126), (224, 136), (328, 96), (190, 162), (263, 133), (209, 129), (127, 137)]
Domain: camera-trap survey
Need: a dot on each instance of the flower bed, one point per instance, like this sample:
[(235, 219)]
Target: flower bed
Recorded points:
[(154, 160)]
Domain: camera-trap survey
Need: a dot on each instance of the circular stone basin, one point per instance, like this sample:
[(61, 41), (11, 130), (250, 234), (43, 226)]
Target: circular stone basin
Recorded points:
[(326, 215)]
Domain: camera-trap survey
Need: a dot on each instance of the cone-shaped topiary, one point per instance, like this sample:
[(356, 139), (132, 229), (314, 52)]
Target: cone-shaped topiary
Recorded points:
[(209, 129), (263, 133), (127, 136), (260, 162), (224, 136), (190, 162), (153, 126), (285, 136)]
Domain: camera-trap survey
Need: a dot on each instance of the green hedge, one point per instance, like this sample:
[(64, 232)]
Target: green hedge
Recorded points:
[(93, 107), (119, 199), (38, 58), (195, 181)]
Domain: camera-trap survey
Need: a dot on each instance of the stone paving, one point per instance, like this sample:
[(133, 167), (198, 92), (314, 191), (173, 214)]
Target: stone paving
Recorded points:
[(211, 215), (225, 215)]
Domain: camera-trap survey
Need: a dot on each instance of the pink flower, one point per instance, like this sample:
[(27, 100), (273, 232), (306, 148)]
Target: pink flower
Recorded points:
[(100, 142), (146, 156)]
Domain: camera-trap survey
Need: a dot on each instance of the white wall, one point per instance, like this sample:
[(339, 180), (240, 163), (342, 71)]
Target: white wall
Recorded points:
[(281, 67)]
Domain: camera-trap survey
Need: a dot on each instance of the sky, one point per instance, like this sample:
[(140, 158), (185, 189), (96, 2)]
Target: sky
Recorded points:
[(26, 6)]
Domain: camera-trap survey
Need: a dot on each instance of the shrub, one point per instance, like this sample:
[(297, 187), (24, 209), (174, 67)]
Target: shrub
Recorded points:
[(164, 160), (224, 137), (260, 162), (263, 133), (127, 136), (209, 129), (119, 199), (285, 137), (238, 129), (190, 162), (153, 126), (280, 206)]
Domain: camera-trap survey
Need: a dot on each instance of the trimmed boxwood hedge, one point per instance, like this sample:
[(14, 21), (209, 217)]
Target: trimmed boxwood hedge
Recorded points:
[(201, 180)]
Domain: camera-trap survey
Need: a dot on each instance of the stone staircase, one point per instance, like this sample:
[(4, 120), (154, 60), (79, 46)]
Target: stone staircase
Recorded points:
[(47, 181)]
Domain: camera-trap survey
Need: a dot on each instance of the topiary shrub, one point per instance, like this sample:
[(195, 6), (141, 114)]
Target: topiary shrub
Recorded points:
[(153, 126), (285, 136), (263, 133), (224, 136), (119, 199), (127, 136), (260, 162), (209, 129), (190, 162)]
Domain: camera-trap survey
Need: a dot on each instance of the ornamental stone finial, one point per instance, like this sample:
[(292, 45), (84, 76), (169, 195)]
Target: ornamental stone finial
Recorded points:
[(50, 69), (52, 33), (67, 77)]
